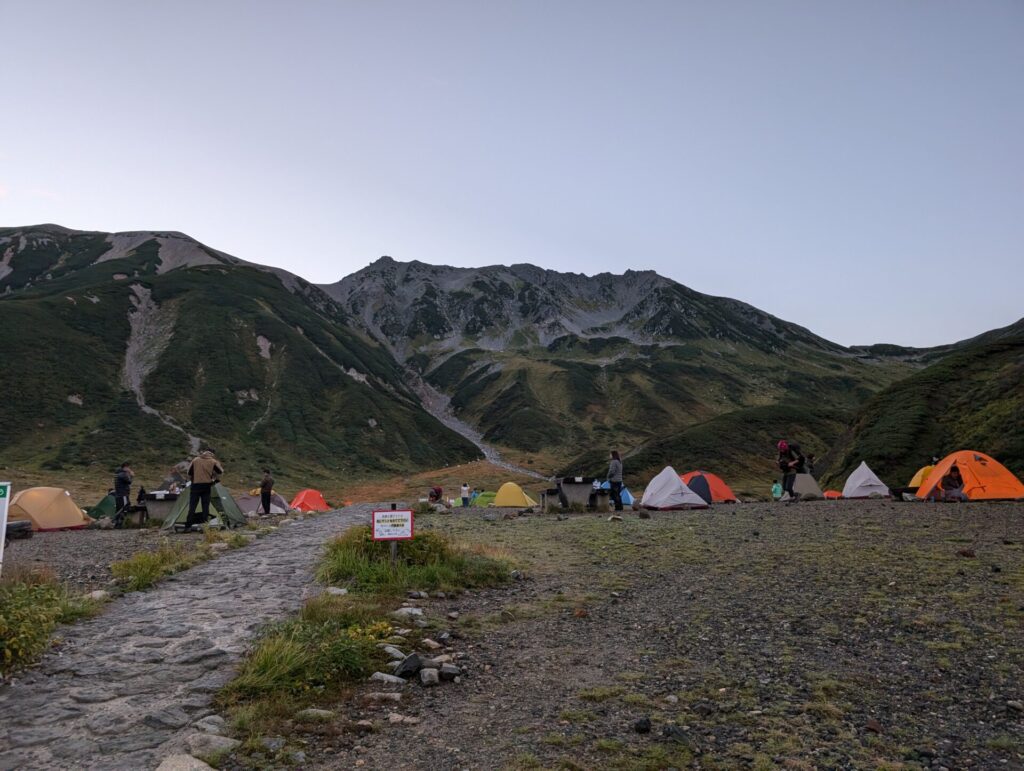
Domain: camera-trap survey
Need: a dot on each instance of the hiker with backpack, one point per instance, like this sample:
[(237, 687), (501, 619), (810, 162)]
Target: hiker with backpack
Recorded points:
[(122, 493), (791, 463), (615, 479)]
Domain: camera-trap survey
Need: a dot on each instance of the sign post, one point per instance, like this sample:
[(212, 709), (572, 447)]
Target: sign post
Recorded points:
[(5, 500), (394, 526)]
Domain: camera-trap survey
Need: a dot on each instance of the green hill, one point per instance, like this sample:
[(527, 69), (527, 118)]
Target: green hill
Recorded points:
[(973, 398), (135, 357)]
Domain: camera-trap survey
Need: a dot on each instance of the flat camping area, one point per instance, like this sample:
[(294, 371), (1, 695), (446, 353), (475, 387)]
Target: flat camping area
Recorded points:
[(853, 634)]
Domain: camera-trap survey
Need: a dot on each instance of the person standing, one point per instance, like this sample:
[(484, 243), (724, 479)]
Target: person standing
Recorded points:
[(122, 492), (791, 463), (465, 495), (266, 490), (615, 479), (204, 471)]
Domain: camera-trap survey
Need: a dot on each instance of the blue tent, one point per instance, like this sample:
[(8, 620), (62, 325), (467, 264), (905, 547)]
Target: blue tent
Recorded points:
[(627, 496)]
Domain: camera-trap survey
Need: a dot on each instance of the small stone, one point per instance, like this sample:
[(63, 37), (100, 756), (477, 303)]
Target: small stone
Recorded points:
[(410, 665), (183, 763), (377, 697), (381, 677), (454, 615), (99, 595), (516, 575), (394, 652), (429, 677), (210, 744), (298, 757), (211, 724), (336, 591), (441, 595), (314, 715), (675, 733), (419, 595), (873, 726), (420, 623), (431, 644), (672, 699), (1016, 706), (444, 658), (273, 743), (614, 518), (642, 726), (449, 672), (407, 612)]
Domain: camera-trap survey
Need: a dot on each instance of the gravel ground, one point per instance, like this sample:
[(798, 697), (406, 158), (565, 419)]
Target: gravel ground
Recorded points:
[(824, 635)]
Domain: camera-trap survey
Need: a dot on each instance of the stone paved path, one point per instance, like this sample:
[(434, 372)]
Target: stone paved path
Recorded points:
[(123, 689)]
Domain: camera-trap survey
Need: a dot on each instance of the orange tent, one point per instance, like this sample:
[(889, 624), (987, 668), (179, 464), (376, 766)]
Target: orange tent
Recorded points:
[(310, 500), (985, 479), (833, 495), (720, 492)]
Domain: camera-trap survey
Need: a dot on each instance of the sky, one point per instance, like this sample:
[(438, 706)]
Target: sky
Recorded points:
[(855, 167)]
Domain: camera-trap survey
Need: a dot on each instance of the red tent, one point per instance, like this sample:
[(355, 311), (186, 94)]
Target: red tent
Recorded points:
[(310, 500), (718, 489)]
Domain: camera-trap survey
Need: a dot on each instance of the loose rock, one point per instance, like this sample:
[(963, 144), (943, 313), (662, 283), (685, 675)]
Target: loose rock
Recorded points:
[(429, 677)]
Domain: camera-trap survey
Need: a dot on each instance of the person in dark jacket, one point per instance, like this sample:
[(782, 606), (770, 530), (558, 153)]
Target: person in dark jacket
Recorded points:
[(615, 479), (204, 471), (266, 489), (791, 463), (122, 492)]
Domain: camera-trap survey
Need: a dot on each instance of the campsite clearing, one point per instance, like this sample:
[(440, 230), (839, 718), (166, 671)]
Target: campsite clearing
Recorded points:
[(829, 634)]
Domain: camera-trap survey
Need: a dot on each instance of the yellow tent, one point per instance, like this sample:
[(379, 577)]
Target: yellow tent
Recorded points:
[(921, 476), (511, 494), (47, 508)]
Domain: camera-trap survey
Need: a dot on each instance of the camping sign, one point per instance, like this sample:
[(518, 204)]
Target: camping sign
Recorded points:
[(394, 525), (5, 500)]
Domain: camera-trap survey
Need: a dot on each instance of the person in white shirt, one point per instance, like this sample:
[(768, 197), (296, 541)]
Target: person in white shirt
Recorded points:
[(465, 495)]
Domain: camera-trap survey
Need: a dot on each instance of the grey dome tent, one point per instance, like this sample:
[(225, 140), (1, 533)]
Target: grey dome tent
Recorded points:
[(227, 512)]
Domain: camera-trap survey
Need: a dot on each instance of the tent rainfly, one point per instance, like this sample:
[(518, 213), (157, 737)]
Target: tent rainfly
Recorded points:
[(668, 491), (309, 500), (806, 486), (863, 483), (510, 494), (985, 478), (228, 513), (711, 487), (47, 508)]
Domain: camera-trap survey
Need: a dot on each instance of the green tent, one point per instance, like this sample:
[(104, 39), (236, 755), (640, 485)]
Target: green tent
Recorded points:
[(228, 513), (485, 499), (107, 507)]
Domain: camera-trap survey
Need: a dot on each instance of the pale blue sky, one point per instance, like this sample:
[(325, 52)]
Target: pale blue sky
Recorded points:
[(854, 167)]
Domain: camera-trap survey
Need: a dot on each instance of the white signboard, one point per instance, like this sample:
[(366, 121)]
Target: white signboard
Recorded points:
[(5, 500), (392, 525)]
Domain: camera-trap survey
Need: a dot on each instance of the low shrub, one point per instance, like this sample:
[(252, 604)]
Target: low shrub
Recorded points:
[(428, 561), (32, 603)]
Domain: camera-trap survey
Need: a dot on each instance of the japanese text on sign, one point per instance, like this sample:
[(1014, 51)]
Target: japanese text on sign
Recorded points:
[(392, 525)]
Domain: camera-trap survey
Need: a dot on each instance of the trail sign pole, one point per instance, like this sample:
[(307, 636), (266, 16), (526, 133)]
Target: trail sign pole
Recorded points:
[(394, 526), (5, 500)]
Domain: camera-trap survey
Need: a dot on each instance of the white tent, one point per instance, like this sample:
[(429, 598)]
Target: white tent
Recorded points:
[(863, 483), (806, 486), (668, 491)]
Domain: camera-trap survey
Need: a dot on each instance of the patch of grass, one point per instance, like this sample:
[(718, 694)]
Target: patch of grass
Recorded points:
[(32, 603), (636, 699), (608, 745), (601, 693), (1003, 742), (142, 570), (577, 715), (428, 561)]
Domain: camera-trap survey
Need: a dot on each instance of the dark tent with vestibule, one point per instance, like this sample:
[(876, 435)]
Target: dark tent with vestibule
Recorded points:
[(223, 510)]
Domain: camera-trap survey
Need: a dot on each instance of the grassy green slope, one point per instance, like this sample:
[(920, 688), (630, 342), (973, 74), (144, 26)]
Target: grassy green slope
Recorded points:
[(66, 337), (972, 399)]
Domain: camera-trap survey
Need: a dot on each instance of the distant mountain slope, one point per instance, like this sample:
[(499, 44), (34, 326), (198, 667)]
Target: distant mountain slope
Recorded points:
[(555, 362), (973, 398), (140, 345)]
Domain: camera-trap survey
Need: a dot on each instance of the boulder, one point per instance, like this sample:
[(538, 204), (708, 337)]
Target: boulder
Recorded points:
[(429, 677), (381, 677), (314, 715), (212, 724), (449, 672), (410, 665), (407, 612)]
